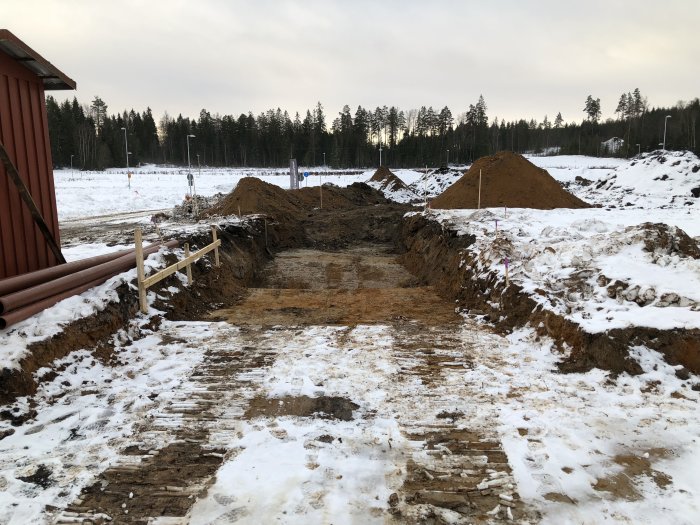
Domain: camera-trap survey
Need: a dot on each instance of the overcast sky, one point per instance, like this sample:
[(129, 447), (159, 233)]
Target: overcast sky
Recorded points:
[(528, 58)]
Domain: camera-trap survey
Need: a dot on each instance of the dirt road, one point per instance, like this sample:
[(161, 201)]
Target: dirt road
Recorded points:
[(334, 394)]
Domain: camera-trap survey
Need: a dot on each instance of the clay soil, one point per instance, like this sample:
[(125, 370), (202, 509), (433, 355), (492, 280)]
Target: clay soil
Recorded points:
[(507, 179)]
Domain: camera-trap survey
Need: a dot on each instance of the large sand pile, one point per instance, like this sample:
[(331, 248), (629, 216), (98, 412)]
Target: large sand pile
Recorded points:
[(253, 195), (507, 179)]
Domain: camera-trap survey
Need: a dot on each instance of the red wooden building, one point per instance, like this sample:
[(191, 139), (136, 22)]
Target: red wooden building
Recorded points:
[(24, 133)]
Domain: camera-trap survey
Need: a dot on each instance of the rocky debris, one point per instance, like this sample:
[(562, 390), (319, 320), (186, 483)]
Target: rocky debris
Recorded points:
[(192, 206)]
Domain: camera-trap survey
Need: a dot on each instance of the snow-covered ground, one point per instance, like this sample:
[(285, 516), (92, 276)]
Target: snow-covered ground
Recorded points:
[(15, 341), (86, 414), (433, 183), (583, 448), (92, 193), (576, 255)]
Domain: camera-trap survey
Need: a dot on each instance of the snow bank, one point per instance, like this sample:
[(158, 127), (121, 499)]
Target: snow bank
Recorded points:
[(591, 266), (655, 180), (433, 183)]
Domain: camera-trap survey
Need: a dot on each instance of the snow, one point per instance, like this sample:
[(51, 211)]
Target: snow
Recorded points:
[(16, 340), (433, 183), (575, 255), (283, 469), (88, 413), (565, 252), (653, 180), (565, 432), (570, 438), (92, 193)]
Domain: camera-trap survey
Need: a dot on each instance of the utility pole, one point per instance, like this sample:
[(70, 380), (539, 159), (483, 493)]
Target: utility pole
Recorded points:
[(665, 121), (190, 179), (126, 149)]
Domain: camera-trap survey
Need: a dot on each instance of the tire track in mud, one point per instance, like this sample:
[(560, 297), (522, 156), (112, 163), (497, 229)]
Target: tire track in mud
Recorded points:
[(457, 471), (202, 419)]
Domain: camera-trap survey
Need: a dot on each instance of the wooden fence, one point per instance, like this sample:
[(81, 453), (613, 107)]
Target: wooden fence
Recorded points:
[(146, 282)]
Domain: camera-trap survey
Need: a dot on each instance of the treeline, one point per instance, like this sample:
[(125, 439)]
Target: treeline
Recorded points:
[(92, 139)]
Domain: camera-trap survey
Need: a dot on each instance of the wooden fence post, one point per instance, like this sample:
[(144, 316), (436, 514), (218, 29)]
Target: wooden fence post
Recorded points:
[(140, 272), (189, 266), (216, 250)]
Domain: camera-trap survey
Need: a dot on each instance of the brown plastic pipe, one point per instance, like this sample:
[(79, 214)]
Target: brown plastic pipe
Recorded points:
[(34, 294), (27, 280), (24, 313)]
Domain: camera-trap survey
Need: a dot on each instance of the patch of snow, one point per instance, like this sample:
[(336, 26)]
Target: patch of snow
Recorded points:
[(574, 255)]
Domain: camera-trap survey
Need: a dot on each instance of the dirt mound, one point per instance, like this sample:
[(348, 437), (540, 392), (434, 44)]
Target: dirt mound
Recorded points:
[(507, 179), (253, 195), (337, 198), (387, 180)]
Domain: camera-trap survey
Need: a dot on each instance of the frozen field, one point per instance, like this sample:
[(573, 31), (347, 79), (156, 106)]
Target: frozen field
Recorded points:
[(87, 194)]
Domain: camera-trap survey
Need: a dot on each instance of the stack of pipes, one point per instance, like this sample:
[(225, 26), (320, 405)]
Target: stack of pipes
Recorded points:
[(25, 295)]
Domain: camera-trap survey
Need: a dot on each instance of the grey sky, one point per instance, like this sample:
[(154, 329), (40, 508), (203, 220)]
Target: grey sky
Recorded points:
[(528, 58)]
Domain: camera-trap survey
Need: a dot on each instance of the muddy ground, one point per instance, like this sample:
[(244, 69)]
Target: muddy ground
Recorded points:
[(335, 269), (361, 285)]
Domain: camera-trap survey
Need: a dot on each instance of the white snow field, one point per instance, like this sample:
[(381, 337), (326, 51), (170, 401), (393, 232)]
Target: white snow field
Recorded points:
[(584, 448)]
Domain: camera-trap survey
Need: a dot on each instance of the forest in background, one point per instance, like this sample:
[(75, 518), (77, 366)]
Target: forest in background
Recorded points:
[(88, 137)]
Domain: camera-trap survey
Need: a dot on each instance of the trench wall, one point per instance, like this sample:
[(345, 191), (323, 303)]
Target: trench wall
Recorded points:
[(442, 259)]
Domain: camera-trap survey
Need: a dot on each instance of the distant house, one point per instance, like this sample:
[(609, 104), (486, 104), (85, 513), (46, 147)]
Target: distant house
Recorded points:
[(612, 146), (24, 133)]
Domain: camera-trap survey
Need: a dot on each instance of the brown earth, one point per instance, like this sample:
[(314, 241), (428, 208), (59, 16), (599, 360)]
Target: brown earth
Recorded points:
[(388, 181), (507, 179), (296, 218), (254, 196)]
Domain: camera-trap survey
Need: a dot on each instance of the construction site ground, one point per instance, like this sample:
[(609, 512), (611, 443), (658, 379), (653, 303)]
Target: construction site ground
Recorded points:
[(334, 393), (314, 379)]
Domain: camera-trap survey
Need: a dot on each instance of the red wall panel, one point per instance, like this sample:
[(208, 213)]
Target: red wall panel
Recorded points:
[(24, 133)]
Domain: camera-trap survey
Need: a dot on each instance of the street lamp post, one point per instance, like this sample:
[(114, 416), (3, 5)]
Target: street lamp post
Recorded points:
[(324, 159), (189, 164), (380, 155), (448, 158), (639, 149), (126, 149), (665, 121)]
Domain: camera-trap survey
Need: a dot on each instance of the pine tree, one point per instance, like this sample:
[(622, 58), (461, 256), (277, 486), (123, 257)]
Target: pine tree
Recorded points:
[(558, 121), (99, 112), (592, 109)]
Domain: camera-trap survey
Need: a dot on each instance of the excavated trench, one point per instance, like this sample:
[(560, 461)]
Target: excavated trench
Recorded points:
[(439, 257), (359, 285), (363, 266), (346, 274)]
